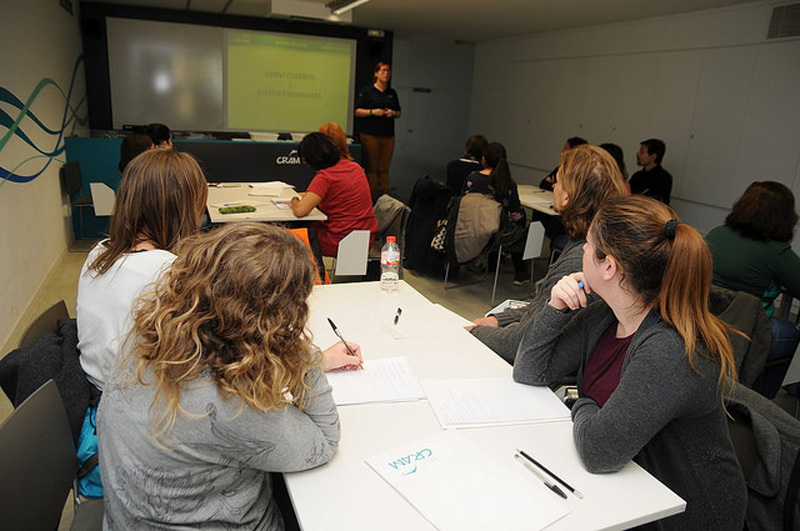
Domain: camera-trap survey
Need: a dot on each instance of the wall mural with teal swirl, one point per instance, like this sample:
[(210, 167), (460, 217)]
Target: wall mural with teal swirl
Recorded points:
[(40, 156)]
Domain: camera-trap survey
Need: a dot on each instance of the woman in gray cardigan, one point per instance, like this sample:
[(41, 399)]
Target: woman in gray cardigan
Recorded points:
[(221, 386), (652, 362)]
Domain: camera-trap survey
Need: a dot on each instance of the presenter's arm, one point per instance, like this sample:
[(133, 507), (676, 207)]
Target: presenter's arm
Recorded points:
[(366, 113), (301, 207)]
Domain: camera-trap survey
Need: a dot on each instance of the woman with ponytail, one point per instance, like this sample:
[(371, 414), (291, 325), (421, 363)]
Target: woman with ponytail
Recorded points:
[(653, 364), (495, 180)]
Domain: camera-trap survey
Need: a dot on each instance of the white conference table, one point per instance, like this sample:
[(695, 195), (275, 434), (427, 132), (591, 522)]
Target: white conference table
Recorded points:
[(347, 494), (535, 198), (234, 194)]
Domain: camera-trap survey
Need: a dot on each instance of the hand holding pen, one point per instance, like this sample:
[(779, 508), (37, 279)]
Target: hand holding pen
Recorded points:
[(570, 292), (340, 355)]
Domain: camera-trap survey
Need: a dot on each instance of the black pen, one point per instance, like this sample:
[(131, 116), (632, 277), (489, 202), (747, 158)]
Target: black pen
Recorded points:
[(541, 476), (397, 315), (339, 335), (545, 469)]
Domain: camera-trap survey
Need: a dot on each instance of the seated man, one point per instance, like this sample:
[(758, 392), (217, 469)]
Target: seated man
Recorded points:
[(457, 170), (652, 180), (587, 177)]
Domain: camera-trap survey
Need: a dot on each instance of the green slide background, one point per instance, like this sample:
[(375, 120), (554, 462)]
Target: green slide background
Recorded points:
[(284, 83)]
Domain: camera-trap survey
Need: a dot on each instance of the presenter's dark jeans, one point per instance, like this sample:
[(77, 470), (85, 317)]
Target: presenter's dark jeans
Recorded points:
[(378, 156)]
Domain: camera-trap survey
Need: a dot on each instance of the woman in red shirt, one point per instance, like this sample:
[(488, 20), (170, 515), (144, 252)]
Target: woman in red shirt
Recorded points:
[(340, 190)]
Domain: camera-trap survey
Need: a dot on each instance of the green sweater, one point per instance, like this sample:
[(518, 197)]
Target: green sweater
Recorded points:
[(752, 266)]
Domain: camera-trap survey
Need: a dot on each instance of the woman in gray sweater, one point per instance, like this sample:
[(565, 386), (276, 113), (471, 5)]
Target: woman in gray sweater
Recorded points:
[(587, 177), (220, 386), (652, 362)]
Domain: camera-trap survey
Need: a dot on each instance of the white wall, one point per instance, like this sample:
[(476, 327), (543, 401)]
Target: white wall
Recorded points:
[(433, 127), (722, 97), (41, 41)]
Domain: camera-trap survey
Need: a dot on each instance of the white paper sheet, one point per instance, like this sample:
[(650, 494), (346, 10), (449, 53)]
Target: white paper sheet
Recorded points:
[(381, 380), (463, 403), (457, 485)]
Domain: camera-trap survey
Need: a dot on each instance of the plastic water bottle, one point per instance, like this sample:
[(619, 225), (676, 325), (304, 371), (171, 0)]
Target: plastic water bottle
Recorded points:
[(390, 264)]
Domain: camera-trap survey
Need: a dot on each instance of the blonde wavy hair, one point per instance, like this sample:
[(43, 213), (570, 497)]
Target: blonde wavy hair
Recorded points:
[(590, 177), (234, 304)]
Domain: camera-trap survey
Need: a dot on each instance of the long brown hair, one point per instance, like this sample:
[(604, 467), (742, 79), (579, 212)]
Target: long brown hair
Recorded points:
[(233, 303), (764, 212), (161, 198), (668, 264), (590, 177), (500, 177)]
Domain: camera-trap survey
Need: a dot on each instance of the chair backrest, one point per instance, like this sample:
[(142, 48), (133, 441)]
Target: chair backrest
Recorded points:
[(351, 256), (37, 462), (46, 322), (744, 441), (102, 199), (71, 177), (533, 245), (472, 227)]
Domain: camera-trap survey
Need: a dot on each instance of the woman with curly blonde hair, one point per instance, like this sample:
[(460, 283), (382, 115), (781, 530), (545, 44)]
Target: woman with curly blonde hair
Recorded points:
[(220, 386)]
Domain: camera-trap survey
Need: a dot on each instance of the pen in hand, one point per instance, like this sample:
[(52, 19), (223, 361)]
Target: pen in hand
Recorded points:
[(339, 335), (547, 482)]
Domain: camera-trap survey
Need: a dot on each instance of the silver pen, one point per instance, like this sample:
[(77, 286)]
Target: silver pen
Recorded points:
[(550, 485)]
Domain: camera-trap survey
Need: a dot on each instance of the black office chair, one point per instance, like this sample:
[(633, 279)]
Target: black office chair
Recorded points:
[(46, 322), (72, 184), (38, 466)]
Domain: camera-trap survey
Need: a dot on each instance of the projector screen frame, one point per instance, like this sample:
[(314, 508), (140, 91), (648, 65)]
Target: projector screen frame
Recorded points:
[(369, 48)]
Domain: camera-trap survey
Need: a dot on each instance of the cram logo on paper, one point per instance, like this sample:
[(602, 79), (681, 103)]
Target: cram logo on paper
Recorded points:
[(291, 158), (408, 464)]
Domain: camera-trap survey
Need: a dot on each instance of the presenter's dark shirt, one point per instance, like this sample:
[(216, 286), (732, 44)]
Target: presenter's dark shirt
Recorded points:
[(457, 171), (371, 98), (656, 183)]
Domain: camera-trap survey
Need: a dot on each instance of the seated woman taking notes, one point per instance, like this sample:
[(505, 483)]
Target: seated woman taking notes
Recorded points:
[(160, 201), (341, 191), (220, 384), (653, 364)]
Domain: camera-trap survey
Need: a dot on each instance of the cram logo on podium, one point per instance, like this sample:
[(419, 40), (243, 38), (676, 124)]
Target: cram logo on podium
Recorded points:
[(292, 158)]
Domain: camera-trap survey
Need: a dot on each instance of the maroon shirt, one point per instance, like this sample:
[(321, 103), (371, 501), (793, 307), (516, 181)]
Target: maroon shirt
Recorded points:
[(603, 368)]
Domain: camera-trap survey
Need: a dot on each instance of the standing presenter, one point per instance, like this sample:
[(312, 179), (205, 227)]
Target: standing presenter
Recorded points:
[(378, 105)]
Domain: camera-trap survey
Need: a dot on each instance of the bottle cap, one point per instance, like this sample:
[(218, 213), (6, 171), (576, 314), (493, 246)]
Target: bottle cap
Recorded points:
[(391, 238)]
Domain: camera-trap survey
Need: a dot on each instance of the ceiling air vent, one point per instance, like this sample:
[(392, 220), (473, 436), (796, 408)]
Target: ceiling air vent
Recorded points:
[(785, 22)]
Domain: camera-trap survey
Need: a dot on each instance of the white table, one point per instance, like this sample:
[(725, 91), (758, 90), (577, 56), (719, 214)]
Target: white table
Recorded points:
[(347, 494), (233, 194), (537, 199)]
